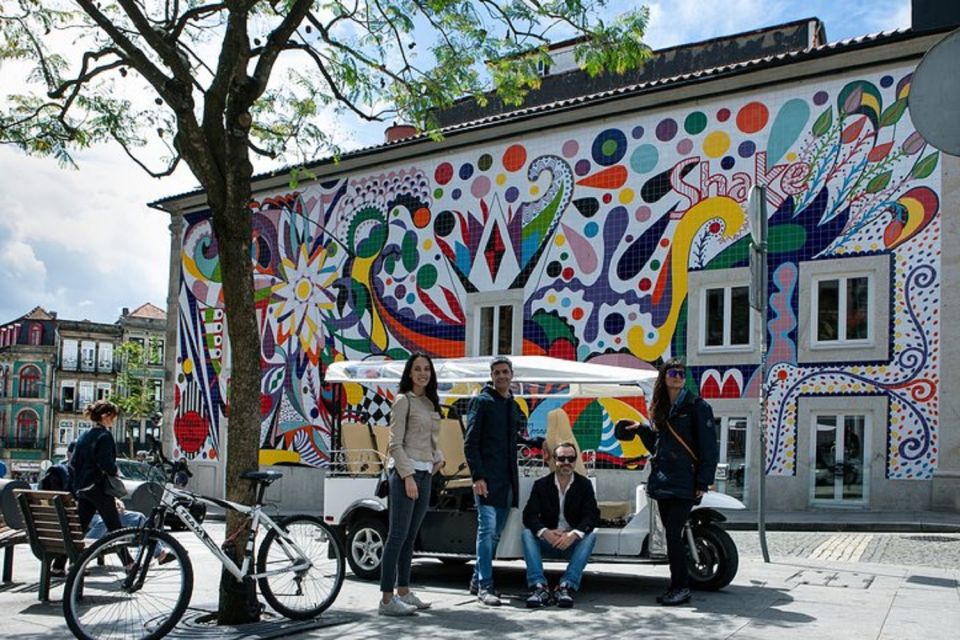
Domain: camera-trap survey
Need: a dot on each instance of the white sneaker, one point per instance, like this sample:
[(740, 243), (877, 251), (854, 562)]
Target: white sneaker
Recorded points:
[(395, 608), (414, 601)]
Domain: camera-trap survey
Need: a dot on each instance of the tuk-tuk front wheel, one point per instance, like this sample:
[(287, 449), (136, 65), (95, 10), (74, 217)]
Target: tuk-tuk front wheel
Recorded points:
[(718, 558), (365, 541)]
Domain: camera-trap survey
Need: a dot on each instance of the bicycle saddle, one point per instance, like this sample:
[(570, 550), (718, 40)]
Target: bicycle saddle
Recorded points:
[(265, 477)]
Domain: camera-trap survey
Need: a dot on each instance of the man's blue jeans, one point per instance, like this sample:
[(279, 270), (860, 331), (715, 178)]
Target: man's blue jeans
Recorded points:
[(490, 523), (577, 556)]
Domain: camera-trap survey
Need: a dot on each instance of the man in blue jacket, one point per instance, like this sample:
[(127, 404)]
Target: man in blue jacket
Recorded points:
[(493, 422)]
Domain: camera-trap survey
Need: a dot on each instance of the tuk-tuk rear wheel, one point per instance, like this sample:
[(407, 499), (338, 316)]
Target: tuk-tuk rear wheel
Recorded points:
[(365, 541)]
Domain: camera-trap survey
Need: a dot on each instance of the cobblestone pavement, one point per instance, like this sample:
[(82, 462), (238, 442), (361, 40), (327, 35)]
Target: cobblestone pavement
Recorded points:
[(941, 551)]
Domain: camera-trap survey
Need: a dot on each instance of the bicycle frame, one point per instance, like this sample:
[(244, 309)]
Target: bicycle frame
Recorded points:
[(173, 500)]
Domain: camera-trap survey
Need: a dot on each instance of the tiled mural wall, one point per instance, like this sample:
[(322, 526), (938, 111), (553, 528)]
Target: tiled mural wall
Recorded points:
[(600, 226)]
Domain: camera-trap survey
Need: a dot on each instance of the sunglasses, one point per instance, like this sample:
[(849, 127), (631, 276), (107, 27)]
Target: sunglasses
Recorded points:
[(566, 459), (676, 372)]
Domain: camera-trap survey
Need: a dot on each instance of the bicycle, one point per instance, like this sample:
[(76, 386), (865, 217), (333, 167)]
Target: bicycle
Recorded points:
[(300, 568)]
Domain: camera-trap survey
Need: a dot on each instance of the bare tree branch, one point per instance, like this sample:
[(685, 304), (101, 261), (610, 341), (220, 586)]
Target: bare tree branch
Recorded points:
[(277, 41), (197, 13), (153, 174)]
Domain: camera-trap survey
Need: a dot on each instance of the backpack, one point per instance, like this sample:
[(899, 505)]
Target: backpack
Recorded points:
[(56, 478)]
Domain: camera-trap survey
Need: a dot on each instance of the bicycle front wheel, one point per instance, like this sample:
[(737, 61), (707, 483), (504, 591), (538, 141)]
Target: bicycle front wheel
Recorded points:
[(103, 601), (302, 587)]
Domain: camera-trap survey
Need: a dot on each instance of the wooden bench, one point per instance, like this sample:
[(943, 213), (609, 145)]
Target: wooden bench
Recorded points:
[(9, 538), (53, 529)]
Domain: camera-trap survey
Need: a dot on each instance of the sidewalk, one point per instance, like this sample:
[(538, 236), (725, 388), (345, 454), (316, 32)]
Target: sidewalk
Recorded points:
[(779, 601), (847, 520)]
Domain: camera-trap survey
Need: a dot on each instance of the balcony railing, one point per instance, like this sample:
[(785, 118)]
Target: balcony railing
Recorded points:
[(9, 442)]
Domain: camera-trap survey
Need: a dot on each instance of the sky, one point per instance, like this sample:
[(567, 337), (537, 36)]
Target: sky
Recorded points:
[(85, 244)]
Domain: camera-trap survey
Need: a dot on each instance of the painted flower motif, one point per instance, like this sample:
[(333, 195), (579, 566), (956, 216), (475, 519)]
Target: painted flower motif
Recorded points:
[(303, 297)]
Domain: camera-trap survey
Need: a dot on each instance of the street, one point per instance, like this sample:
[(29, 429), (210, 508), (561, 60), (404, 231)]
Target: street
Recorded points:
[(818, 585)]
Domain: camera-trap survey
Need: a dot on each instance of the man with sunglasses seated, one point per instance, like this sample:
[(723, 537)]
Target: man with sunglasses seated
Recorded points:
[(558, 523)]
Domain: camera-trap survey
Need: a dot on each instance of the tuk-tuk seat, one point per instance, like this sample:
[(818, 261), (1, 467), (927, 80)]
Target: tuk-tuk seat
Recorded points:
[(559, 430), (360, 451)]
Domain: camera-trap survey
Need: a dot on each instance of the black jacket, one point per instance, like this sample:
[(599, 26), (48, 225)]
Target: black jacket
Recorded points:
[(673, 472), (579, 507), (490, 445), (94, 457)]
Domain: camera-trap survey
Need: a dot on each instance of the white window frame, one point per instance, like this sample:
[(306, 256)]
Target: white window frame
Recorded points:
[(88, 348), (65, 427), (478, 301), (724, 430), (726, 347), (866, 450), (86, 393), (104, 389), (842, 341), (69, 384), (70, 354), (105, 357)]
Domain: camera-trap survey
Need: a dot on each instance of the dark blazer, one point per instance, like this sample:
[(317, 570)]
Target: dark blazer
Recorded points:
[(579, 507), (673, 473), (490, 445)]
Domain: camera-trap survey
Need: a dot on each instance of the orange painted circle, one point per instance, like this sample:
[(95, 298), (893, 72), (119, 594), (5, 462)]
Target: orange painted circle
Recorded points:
[(577, 313), (421, 217), (752, 117), (514, 157)]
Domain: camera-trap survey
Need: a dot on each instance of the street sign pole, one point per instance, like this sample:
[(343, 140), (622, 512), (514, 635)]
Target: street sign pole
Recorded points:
[(757, 218)]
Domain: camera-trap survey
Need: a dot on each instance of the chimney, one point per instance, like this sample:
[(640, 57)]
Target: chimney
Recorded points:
[(126, 311), (399, 131), (930, 15)]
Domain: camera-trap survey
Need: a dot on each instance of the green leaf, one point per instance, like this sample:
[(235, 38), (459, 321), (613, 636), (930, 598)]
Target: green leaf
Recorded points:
[(879, 183), (925, 167), (892, 114), (822, 125)]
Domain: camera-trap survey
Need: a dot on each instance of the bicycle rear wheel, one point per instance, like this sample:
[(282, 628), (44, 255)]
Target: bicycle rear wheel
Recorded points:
[(301, 594), (100, 604)]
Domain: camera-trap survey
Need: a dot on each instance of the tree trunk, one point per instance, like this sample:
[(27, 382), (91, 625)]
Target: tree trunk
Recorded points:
[(231, 223)]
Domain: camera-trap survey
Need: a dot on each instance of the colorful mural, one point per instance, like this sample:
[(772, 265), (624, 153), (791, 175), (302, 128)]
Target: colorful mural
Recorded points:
[(600, 227)]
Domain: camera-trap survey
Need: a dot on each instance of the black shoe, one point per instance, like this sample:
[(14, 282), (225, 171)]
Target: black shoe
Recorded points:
[(539, 597), (673, 598), (564, 596), (475, 589), (663, 595)]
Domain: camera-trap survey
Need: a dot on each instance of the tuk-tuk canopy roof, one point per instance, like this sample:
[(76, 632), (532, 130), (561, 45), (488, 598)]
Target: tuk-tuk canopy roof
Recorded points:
[(584, 379)]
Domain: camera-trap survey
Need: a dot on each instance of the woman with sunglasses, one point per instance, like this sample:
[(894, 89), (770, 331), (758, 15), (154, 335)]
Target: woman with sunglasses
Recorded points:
[(682, 437), (415, 457)]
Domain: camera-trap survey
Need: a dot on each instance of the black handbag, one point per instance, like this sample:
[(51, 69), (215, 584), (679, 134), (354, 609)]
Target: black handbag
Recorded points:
[(114, 487)]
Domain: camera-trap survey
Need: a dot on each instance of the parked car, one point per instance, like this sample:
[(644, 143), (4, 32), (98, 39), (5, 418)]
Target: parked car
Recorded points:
[(631, 531)]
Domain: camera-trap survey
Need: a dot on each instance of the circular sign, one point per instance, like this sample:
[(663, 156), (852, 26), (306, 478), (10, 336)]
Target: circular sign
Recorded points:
[(934, 99)]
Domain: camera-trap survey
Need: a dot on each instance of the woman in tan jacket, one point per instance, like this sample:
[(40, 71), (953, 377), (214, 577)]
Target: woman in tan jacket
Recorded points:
[(415, 457)]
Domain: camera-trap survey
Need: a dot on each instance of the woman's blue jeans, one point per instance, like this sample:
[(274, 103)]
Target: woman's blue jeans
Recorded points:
[(406, 516)]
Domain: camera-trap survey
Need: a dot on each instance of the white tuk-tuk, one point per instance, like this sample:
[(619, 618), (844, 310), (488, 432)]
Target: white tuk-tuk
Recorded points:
[(630, 530)]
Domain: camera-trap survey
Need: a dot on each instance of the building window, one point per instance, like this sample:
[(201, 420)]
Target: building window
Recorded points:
[(88, 355), (86, 395), (154, 354), (734, 451), (543, 68), (841, 310), (36, 334), (29, 382), (494, 323), (157, 392), (726, 317), (103, 390), (83, 427), (105, 357), (68, 396), (27, 428), (840, 460), (4, 375), (69, 355), (65, 432)]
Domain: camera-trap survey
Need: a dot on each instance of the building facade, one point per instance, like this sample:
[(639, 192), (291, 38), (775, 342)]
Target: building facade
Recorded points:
[(27, 355), (610, 227), (86, 369), (146, 326)]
